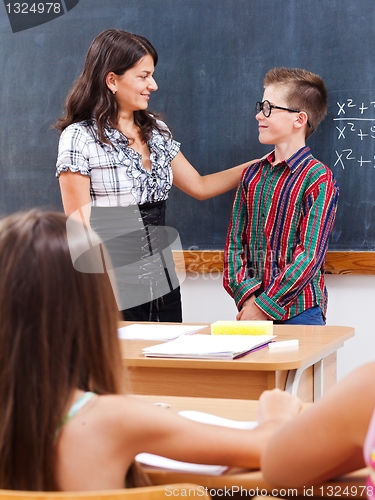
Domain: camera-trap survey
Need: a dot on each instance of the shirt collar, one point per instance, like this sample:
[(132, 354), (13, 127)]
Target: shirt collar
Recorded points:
[(114, 135), (294, 161)]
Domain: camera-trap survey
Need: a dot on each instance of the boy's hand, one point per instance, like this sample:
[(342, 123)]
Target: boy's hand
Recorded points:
[(277, 405), (250, 311)]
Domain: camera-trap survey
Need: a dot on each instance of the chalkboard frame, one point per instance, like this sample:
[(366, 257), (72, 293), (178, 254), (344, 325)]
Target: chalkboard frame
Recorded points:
[(211, 261)]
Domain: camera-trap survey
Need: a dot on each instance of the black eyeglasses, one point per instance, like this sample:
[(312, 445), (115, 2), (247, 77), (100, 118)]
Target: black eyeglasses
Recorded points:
[(266, 107)]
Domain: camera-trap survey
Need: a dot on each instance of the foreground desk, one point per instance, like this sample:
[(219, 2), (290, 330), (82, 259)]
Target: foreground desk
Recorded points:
[(307, 370), (237, 480)]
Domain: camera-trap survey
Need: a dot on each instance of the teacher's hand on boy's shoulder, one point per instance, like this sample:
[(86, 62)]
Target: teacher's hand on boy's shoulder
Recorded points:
[(250, 311)]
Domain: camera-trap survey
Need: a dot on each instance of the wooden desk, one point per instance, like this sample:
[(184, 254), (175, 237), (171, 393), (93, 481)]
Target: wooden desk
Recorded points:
[(307, 370), (252, 481)]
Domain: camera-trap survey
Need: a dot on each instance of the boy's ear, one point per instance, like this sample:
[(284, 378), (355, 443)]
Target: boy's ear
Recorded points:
[(301, 119)]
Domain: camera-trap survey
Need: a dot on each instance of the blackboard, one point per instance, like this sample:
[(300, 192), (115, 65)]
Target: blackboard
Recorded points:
[(213, 56)]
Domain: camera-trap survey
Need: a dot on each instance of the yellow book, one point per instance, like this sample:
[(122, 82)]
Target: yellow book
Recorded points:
[(242, 328)]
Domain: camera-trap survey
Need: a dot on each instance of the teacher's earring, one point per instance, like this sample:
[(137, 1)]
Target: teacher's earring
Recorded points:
[(114, 92)]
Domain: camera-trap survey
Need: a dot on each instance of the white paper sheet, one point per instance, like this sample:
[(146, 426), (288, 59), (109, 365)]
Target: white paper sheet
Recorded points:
[(213, 470), (156, 332), (207, 418), (175, 465)]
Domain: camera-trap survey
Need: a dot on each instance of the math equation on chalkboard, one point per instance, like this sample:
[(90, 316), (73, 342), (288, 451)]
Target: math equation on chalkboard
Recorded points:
[(354, 130)]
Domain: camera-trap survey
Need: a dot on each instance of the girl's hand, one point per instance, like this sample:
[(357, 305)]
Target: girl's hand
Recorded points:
[(277, 405)]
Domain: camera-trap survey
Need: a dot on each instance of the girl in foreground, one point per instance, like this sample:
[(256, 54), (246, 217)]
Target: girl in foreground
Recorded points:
[(64, 424)]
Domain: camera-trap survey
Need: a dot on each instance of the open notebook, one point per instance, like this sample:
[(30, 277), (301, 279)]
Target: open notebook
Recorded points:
[(208, 346), (206, 418)]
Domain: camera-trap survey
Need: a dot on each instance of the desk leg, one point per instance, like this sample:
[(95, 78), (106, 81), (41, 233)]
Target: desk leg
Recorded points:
[(292, 380), (325, 375), (299, 383)]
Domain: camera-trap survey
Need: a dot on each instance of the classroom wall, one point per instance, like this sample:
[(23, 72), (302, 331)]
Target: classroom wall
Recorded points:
[(351, 303)]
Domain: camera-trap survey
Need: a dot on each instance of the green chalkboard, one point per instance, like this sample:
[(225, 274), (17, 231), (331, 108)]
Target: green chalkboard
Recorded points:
[(213, 56)]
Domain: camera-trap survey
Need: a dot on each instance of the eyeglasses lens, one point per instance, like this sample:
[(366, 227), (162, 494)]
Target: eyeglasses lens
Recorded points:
[(264, 106)]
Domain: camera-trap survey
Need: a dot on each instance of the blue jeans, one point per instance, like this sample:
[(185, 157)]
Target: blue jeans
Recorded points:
[(312, 316)]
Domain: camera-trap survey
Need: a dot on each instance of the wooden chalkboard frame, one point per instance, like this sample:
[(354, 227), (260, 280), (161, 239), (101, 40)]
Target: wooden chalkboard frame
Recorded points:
[(211, 261)]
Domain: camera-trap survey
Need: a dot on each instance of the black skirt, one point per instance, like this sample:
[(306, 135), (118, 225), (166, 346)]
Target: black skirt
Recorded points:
[(147, 287)]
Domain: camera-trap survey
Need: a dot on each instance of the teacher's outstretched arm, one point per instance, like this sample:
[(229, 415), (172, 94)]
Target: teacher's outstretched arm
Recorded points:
[(202, 187)]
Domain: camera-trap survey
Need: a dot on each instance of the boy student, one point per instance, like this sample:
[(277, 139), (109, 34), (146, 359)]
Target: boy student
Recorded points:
[(284, 209)]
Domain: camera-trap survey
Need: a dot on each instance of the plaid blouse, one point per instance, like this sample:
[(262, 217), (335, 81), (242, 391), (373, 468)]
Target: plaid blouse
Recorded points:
[(117, 177), (278, 234)]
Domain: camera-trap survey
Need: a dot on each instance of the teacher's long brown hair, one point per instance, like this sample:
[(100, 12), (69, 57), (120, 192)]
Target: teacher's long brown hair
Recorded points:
[(58, 332), (111, 51)]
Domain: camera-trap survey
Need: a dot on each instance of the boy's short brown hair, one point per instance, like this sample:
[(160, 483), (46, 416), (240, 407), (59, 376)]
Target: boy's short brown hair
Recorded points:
[(304, 90)]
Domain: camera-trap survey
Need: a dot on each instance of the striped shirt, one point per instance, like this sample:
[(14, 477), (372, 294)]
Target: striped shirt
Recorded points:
[(277, 239), (117, 176)]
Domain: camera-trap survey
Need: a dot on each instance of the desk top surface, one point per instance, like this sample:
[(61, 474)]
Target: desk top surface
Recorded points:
[(315, 342)]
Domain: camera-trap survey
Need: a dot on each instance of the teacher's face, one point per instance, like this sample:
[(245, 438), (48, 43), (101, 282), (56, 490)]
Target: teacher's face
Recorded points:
[(134, 87)]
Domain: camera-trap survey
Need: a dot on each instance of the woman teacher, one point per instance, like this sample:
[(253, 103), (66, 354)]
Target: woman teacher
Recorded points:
[(114, 153)]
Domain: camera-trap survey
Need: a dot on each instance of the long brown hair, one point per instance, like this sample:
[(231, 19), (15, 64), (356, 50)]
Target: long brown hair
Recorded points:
[(58, 332), (111, 51)]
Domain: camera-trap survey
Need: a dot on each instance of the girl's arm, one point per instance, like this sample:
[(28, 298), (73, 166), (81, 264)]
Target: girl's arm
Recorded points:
[(163, 432), (327, 439), (202, 187)]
